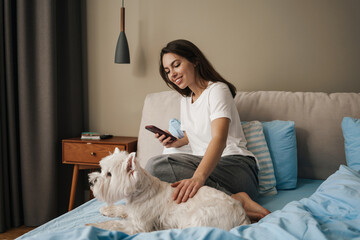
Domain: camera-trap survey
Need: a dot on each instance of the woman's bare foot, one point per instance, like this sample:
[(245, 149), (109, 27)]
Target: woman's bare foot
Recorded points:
[(254, 210)]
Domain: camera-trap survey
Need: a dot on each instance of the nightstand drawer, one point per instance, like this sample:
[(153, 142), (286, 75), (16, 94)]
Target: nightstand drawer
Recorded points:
[(87, 153)]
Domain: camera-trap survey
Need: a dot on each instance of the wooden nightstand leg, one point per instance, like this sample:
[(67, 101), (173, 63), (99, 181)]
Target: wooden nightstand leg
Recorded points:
[(73, 186), (91, 195)]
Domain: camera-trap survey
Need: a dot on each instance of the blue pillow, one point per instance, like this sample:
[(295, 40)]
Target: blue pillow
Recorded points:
[(351, 131), (281, 140), (175, 130)]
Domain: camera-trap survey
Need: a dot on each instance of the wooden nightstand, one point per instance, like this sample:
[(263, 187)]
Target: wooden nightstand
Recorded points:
[(86, 154)]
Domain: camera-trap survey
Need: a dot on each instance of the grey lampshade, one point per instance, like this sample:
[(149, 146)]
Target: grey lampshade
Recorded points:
[(122, 50), (122, 54)]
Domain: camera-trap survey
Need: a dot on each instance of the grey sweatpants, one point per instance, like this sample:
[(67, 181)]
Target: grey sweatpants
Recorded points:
[(233, 174)]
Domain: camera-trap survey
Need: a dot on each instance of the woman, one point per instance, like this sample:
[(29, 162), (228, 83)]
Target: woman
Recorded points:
[(211, 126)]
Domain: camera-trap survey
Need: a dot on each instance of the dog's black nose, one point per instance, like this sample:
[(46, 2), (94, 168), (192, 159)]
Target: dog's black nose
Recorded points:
[(91, 183)]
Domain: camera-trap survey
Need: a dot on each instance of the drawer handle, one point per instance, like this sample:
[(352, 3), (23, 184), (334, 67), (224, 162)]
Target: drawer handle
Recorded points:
[(93, 154)]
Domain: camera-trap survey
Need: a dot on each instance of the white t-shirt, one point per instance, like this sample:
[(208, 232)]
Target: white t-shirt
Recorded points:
[(214, 102)]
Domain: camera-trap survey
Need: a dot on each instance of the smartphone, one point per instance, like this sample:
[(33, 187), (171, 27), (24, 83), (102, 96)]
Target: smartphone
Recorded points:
[(154, 129)]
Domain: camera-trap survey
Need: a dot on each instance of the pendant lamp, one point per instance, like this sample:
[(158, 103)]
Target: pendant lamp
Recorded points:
[(122, 48)]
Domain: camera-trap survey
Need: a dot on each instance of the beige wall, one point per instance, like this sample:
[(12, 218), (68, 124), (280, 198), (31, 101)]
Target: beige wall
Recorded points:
[(303, 45)]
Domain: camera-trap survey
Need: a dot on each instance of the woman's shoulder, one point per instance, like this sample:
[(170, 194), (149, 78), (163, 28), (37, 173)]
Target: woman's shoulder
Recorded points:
[(218, 87), (215, 84)]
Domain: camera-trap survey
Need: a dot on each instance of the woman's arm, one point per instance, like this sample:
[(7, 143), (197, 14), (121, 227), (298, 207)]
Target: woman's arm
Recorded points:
[(189, 187)]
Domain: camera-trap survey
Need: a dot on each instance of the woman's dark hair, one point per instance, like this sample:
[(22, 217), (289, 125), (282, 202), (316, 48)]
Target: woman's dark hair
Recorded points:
[(192, 53)]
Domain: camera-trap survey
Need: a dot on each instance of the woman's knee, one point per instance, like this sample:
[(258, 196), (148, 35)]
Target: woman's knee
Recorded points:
[(160, 167), (151, 164)]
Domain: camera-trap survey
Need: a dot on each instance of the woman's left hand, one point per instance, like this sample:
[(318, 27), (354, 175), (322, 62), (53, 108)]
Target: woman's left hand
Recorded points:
[(186, 188)]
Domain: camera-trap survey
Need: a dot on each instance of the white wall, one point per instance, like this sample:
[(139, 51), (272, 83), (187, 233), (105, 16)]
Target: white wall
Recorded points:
[(308, 45)]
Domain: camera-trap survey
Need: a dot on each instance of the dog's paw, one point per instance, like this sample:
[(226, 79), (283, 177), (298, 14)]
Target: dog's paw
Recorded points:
[(108, 225), (114, 211), (115, 225)]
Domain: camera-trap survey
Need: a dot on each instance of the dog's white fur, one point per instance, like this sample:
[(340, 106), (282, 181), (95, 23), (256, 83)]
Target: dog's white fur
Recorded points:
[(149, 205)]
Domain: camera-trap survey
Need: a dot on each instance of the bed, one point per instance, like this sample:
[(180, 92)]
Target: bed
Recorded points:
[(313, 192)]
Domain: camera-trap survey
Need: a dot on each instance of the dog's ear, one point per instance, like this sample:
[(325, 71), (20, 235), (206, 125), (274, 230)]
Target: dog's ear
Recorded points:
[(131, 162), (117, 150)]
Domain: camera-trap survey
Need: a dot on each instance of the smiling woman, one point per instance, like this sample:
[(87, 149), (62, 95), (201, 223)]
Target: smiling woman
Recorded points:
[(211, 126), (178, 69), (185, 51)]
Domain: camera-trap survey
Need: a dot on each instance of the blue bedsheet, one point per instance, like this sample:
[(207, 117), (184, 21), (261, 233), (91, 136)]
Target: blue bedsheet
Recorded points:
[(332, 212), (305, 188)]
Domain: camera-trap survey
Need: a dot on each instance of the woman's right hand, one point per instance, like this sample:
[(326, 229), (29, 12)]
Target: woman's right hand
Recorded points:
[(168, 143)]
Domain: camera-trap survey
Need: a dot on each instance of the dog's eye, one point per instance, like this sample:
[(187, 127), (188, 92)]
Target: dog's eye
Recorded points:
[(108, 174)]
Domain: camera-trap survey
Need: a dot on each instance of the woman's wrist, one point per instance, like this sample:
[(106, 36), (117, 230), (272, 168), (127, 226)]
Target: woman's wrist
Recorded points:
[(184, 141), (180, 142), (200, 177)]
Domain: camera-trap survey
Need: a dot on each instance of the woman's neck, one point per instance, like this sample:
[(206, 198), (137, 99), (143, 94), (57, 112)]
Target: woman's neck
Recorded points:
[(198, 88)]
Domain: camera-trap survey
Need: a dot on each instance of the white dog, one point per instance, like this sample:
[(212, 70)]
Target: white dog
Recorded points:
[(149, 205)]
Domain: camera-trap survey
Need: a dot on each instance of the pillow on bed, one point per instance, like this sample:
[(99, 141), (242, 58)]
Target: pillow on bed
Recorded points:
[(281, 140), (256, 144), (351, 131)]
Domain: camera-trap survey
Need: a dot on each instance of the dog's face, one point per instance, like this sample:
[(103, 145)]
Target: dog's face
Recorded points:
[(117, 179)]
